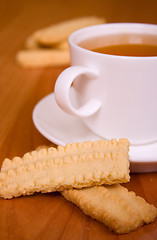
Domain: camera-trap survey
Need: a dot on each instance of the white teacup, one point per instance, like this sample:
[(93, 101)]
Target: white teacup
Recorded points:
[(116, 95)]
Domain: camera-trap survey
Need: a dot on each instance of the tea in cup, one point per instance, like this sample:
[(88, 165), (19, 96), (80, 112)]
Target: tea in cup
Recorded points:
[(114, 76)]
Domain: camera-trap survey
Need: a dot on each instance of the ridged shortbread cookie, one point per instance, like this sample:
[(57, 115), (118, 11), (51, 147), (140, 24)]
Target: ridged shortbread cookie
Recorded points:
[(76, 165), (49, 46), (61, 31), (43, 58), (32, 44), (120, 210)]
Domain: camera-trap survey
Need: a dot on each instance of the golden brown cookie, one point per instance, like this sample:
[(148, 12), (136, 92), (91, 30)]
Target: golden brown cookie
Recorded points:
[(120, 210), (43, 58), (61, 31), (76, 165)]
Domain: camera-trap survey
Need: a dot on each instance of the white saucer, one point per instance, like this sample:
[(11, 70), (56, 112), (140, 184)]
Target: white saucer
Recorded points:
[(61, 128)]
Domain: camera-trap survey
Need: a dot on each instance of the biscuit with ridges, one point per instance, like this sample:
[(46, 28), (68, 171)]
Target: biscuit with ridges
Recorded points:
[(62, 45), (73, 166), (43, 58), (61, 31), (114, 206), (68, 150), (32, 44)]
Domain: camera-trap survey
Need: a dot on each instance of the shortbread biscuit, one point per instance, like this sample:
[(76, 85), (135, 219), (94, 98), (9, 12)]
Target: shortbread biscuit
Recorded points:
[(76, 165), (120, 210), (61, 31), (62, 45), (43, 58), (32, 44)]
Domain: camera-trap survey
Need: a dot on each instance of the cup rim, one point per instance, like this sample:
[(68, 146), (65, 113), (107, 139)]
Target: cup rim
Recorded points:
[(74, 39)]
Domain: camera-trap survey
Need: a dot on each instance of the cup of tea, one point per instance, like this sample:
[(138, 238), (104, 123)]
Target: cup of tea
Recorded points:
[(114, 76)]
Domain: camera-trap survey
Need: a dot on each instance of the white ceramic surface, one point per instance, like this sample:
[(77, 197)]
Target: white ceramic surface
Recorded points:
[(62, 128), (118, 92)]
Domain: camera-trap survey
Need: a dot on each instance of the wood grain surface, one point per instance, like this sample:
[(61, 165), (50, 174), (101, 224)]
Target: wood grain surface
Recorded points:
[(50, 216)]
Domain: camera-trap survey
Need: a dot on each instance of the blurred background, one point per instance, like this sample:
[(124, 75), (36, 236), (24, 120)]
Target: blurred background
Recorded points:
[(28, 15)]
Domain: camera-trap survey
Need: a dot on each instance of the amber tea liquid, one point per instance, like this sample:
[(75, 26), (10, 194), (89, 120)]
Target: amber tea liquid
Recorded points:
[(134, 50), (123, 45)]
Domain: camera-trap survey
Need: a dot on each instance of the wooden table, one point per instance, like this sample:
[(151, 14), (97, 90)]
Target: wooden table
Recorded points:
[(50, 216)]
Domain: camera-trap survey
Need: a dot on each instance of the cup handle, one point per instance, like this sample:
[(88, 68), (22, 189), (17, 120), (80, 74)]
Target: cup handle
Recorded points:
[(62, 88)]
